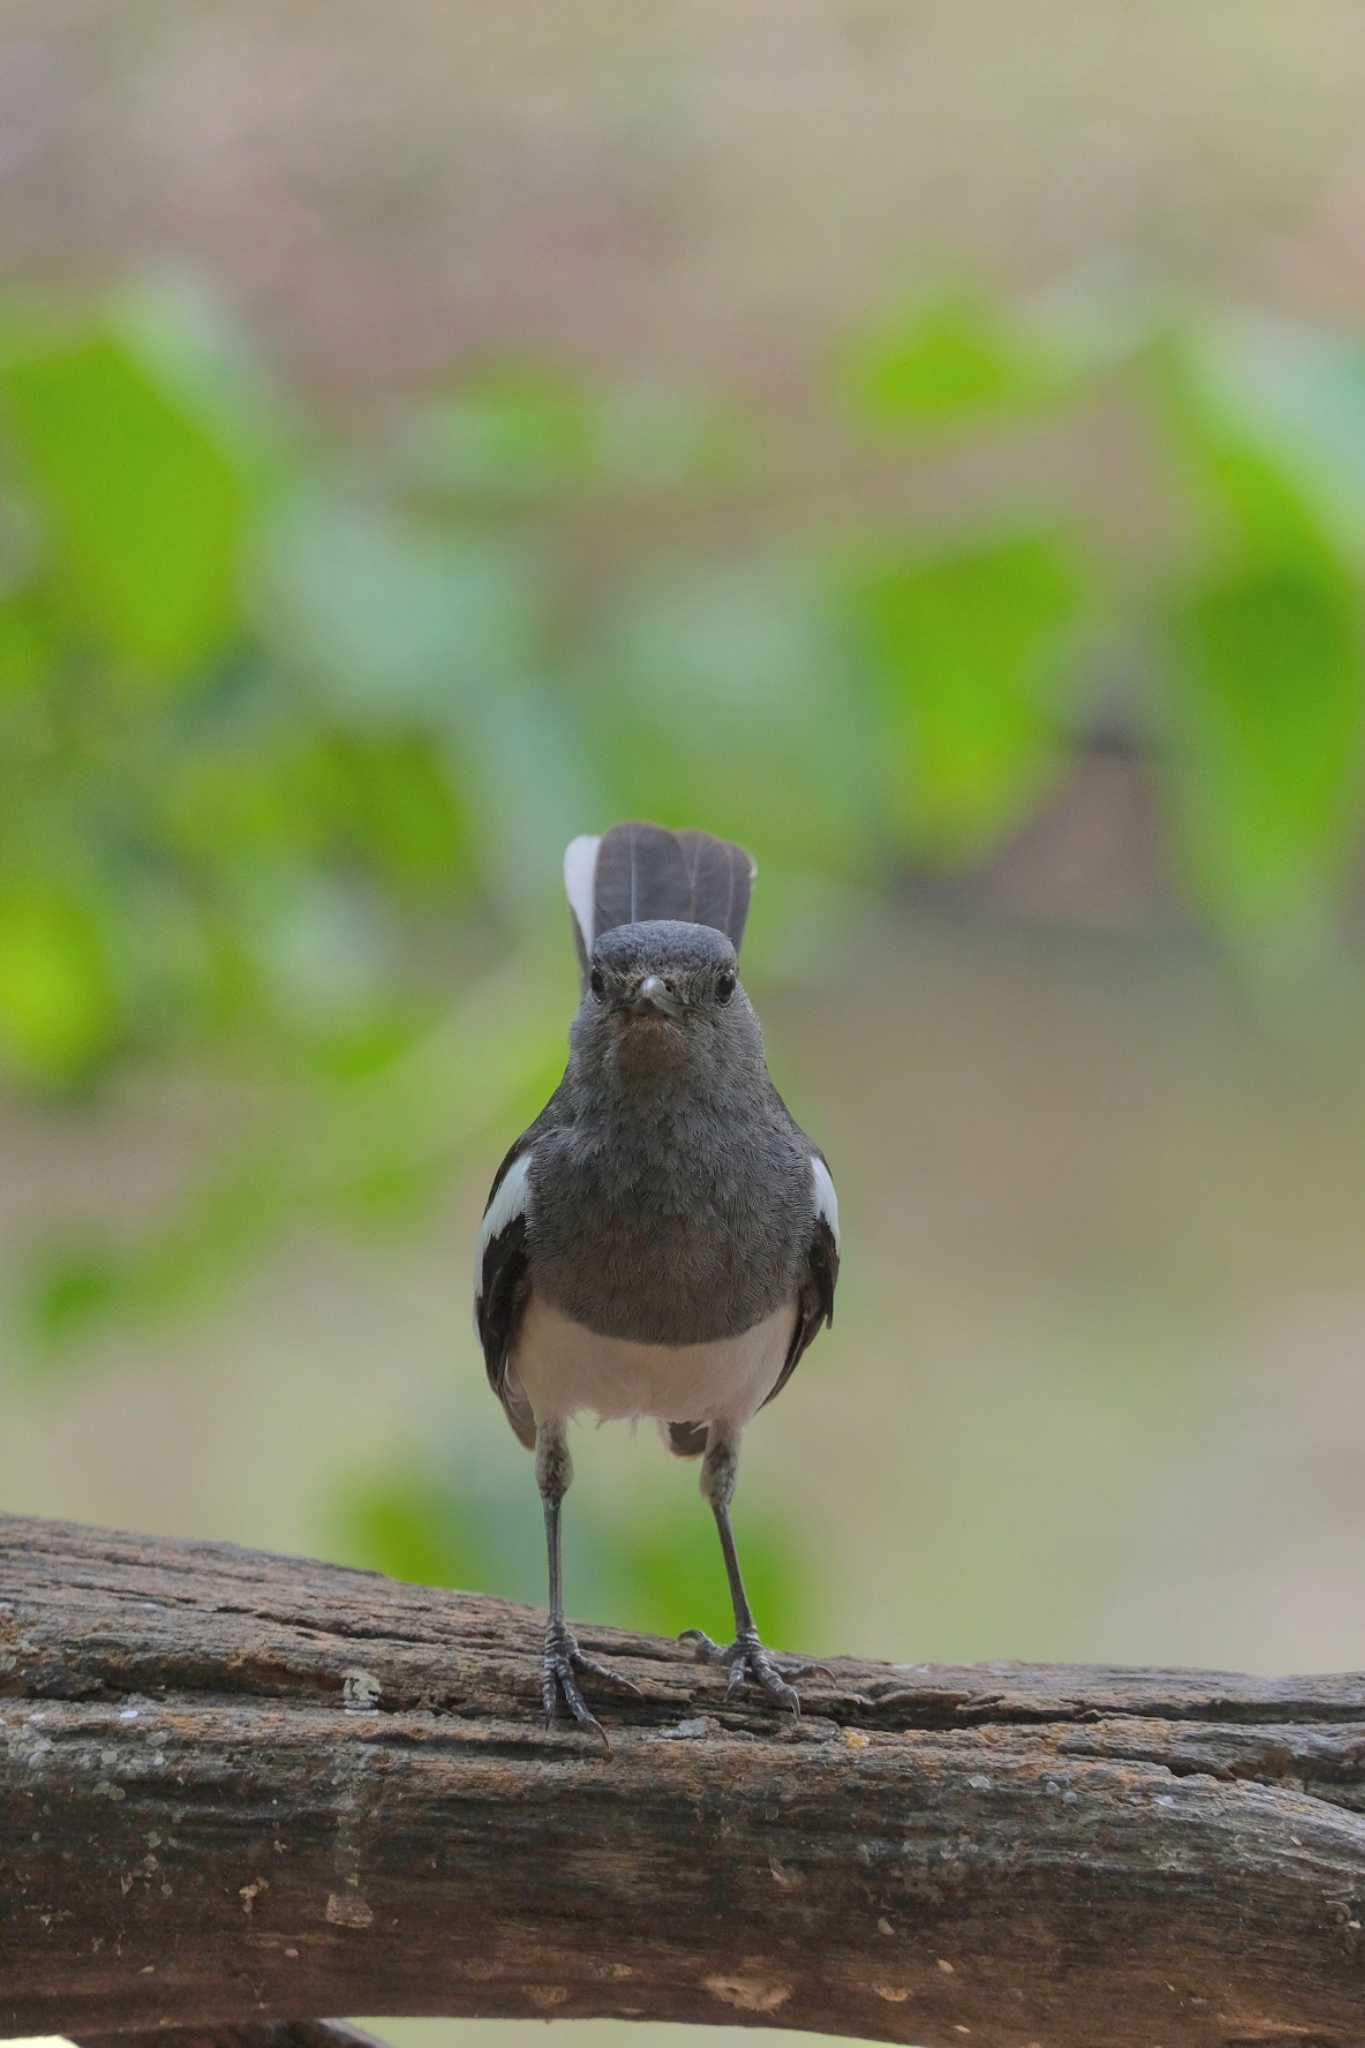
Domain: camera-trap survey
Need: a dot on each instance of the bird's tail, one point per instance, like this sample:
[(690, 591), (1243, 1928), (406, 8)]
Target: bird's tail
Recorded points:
[(642, 871)]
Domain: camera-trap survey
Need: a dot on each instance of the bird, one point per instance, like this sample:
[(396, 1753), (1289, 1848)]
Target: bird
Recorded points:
[(663, 1241)]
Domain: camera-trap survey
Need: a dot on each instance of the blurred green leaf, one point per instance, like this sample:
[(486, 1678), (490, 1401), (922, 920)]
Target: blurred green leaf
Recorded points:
[(971, 655), (433, 675), (516, 439), (208, 1238), (1264, 702), (729, 688), (247, 794), (58, 1007), (189, 334), (464, 1521), (1237, 427), (145, 500), (70, 1293), (29, 689), (361, 1148), (526, 781), (362, 1049), (25, 646), (389, 621), (167, 974), (673, 1574), (1311, 385), (1264, 705), (282, 787), (414, 1529), (323, 948), (72, 1290), (946, 361), (405, 816)]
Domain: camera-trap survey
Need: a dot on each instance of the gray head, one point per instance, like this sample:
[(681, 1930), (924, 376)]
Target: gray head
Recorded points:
[(664, 996)]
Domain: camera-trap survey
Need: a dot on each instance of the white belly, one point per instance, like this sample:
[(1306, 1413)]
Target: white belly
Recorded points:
[(566, 1370)]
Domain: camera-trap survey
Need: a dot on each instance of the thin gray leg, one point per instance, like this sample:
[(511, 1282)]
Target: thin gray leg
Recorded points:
[(746, 1658), (563, 1659)]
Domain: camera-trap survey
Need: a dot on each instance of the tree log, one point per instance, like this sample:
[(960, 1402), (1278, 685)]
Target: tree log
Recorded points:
[(236, 1790)]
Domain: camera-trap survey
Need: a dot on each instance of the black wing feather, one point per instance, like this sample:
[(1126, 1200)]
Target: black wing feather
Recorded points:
[(815, 1303), (501, 1301)]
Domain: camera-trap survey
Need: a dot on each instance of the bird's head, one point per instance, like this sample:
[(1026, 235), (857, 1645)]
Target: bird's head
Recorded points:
[(664, 994)]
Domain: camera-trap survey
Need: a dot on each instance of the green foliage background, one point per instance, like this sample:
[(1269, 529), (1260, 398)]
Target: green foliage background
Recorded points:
[(295, 723)]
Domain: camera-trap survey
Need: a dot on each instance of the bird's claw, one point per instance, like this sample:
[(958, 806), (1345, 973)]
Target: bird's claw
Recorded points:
[(560, 1690), (748, 1662)]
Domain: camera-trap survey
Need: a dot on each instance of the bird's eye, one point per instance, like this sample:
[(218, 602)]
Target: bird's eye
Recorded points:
[(597, 984), (725, 988)]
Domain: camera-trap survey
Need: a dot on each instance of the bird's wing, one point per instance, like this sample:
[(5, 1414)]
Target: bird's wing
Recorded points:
[(815, 1299), (501, 1281)]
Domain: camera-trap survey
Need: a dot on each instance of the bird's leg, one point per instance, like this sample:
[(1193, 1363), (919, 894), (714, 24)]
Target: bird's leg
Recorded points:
[(746, 1658), (563, 1659)]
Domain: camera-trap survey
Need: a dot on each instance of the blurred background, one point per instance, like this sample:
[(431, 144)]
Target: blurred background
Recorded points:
[(925, 443)]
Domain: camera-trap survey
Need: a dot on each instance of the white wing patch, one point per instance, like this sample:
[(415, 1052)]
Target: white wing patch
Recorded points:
[(826, 1201), (511, 1200), (580, 870)]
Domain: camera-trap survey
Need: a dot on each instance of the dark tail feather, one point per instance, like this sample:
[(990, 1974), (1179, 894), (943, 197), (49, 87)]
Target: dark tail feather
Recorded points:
[(721, 878), (640, 871)]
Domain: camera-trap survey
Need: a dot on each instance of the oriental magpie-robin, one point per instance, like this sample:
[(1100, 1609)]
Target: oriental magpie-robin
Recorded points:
[(664, 1239)]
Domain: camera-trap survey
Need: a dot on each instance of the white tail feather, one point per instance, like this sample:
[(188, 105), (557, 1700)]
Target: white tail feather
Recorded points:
[(580, 870)]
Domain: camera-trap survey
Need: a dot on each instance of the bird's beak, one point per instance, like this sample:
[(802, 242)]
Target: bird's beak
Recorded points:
[(651, 997)]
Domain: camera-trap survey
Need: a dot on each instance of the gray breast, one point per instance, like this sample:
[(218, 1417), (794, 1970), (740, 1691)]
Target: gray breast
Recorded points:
[(675, 1231)]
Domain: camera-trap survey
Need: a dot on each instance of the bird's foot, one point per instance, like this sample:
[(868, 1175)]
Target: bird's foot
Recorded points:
[(559, 1687), (749, 1663)]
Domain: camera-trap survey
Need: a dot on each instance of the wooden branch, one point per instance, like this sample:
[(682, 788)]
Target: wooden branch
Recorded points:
[(236, 1790)]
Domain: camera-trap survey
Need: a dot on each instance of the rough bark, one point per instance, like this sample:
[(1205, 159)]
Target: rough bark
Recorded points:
[(237, 1789)]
